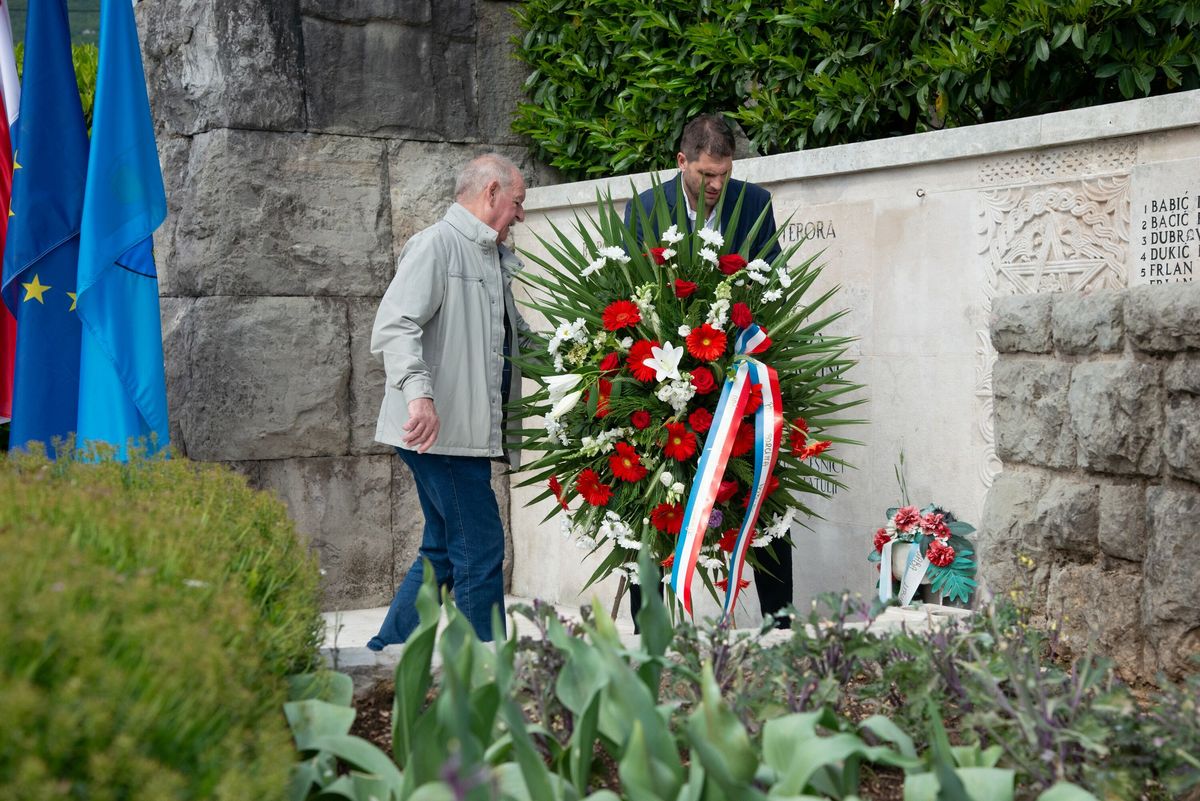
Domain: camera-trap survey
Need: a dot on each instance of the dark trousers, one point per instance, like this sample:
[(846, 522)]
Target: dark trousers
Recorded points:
[(774, 588)]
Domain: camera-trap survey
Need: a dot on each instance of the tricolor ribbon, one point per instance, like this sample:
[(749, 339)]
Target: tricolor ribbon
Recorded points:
[(768, 433)]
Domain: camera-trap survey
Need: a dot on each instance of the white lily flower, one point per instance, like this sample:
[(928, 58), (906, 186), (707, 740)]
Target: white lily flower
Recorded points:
[(560, 385), (665, 361), (566, 404)]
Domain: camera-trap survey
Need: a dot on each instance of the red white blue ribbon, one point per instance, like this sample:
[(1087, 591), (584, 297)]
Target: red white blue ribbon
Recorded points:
[(768, 432)]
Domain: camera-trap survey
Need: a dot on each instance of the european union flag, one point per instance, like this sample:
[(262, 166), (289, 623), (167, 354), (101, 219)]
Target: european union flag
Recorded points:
[(41, 255), (122, 388)]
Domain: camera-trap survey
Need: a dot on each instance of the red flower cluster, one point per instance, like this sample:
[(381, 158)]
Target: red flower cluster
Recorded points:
[(684, 289), (626, 464), (640, 419), (591, 489), (621, 314), (667, 517), (723, 583), (556, 488), (935, 524), (741, 316), (681, 443), (702, 380), (610, 363), (753, 399), (881, 539), (798, 435), (730, 263), (907, 517), (706, 343), (941, 554), (816, 449), (638, 353), (743, 440), (700, 420)]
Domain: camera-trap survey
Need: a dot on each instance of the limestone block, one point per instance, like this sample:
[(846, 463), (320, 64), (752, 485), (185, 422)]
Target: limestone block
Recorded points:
[(284, 214), (1117, 416), (1013, 556), (1021, 323), (1183, 375), (1030, 399), (1122, 529), (1088, 323), (1068, 515), (1162, 318), (1181, 436), (174, 313), (367, 378), (261, 378), (222, 64), (501, 74), (456, 18), (410, 12), (422, 176), (173, 155), (342, 506), (1171, 601), (382, 78), (1098, 610)]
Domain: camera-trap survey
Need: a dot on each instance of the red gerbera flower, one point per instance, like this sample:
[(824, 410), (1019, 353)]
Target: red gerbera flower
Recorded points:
[(706, 343), (940, 553), (683, 288), (657, 255), (621, 314), (637, 358), (602, 400), (816, 449), (723, 583), (640, 419), (610, 364), (743, 440), (556, 488), (681, 443), (700, 420), (798, 435), (754, 399), (730, 263), (626, 464), (741, 316), (667, 517), (881, 539), (590, 488), (726, 490)]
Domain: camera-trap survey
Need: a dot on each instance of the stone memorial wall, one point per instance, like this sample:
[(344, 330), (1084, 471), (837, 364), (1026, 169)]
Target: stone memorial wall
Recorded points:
[(924, 235), (303, 142)]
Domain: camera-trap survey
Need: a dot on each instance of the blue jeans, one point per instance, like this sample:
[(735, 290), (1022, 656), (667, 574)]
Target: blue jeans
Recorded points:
[(463, 540)]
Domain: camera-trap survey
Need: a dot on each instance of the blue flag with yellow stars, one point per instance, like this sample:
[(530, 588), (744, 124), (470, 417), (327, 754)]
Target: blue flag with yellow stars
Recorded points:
[(41, 255), (122, 386)]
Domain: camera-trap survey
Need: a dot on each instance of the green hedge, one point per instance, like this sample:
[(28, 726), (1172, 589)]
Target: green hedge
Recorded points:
[(612, 83), (151, 615)]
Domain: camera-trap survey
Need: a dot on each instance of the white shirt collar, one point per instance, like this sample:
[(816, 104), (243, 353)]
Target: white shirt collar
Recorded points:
[(711, 222)]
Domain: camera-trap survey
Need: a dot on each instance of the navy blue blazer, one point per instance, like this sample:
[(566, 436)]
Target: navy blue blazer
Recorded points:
[(754, 201)]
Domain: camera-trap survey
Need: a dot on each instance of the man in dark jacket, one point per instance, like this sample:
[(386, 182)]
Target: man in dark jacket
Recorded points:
[(705, 162)]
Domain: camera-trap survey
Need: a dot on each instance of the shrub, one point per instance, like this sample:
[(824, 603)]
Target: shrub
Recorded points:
[(152, 614), (612, 84)]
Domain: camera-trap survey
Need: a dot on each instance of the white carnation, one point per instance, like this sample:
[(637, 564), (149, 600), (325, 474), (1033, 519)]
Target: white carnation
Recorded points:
[(672, 235), (709, 255), (712, 237)]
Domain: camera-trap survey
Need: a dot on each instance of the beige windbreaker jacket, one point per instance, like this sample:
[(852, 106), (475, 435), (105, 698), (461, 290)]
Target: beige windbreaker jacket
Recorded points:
[(439, 332)]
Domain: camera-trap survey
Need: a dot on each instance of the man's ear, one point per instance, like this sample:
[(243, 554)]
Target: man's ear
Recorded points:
[(680, 160), (492, 192)]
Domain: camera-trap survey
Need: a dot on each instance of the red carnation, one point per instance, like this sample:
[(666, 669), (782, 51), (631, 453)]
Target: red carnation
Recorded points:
[(882, 538), (702, 380), (683, 288), (723, 583), (667, 517), (935, 523), (610, 364), (816, 449), (700, 420), (754, 399), (681, 443), (657, 255), (706, 343), (626, 464), (743, 440), (637, 360), (557, 489), (602, 400), (591, 489), (730, 263), (726, 490), (940, 553), (741, 316), (907, 517), (621, 314), (798, 435), (640, 419)]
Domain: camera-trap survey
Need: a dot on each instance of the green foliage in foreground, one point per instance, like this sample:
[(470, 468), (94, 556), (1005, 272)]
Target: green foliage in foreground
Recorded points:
[(700, 714), (611, 84), (152, 612)]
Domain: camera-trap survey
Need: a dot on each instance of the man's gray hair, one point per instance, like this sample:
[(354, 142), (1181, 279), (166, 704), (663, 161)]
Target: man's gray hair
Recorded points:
[(481, 171)]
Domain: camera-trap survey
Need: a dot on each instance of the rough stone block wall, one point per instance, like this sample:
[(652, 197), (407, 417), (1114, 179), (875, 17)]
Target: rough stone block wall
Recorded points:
[(1095, 518), (303, 142)]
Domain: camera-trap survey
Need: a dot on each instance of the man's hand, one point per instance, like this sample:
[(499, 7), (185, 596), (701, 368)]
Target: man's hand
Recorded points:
[(423, 424)]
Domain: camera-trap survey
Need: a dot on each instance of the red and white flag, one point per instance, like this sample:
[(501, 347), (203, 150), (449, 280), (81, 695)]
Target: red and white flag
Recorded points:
[(10, 105)]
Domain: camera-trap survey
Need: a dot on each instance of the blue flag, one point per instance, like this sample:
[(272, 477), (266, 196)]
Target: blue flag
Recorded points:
[(122, 387), (42, 250)]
